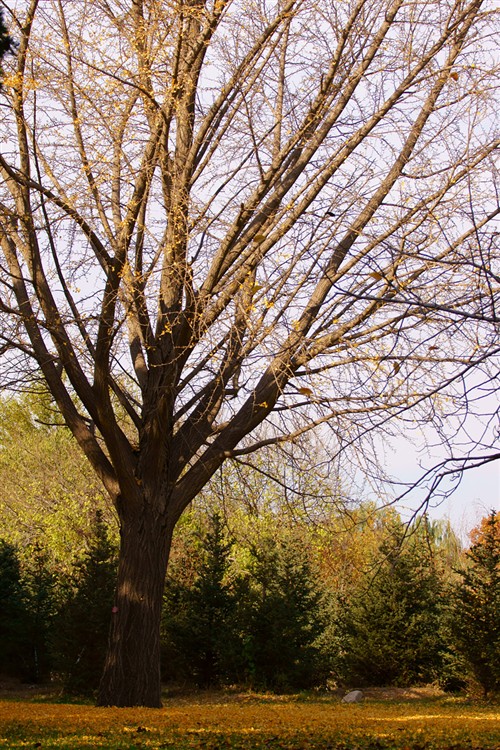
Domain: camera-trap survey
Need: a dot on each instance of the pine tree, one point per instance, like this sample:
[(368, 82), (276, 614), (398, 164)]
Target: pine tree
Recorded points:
[(13, 619), (391, 628), (41, 601), (83, 623), (475, 621), (198, 620), (285, 617)]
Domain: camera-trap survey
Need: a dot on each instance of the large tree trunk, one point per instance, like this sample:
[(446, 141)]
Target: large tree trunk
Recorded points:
[(131, 675)]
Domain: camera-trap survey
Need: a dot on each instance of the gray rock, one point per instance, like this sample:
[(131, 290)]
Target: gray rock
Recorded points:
[(355, 696)]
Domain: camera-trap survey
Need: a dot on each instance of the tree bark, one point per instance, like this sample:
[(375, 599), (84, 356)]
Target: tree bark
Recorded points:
[(131, 675)]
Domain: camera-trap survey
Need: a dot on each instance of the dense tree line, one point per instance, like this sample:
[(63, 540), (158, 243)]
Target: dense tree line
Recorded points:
[(264, 614), (54, 624), (280, 587), (50, 494)]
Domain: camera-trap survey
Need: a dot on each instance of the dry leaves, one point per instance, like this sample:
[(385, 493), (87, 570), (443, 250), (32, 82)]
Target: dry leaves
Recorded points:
[(250, 722)]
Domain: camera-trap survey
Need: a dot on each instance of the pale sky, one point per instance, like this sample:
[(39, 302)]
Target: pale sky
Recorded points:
[(477, 494)]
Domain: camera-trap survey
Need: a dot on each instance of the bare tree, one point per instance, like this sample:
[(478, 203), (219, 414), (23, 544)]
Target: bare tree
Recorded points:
[(224, 223)]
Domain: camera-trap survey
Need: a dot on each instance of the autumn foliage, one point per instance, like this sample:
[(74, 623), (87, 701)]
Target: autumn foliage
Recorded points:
[(248, 722)]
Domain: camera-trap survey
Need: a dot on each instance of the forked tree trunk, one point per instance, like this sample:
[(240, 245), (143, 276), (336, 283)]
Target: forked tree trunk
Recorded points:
[(131, 675)]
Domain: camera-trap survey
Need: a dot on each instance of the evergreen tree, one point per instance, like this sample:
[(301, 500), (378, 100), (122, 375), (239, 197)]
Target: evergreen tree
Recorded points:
[(391, 630), (83, 623), (284, 618), (475, 620), (6, 41), (199, 637), (13, 618), (41, 601)]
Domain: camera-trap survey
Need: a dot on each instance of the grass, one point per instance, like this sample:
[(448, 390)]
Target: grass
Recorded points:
[(248, 722)]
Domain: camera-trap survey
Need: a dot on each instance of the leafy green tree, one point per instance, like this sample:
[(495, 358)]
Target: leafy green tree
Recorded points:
[(475, 620), (12, 612), (391, 628), (83, 622), (51, 495), (199, 633)]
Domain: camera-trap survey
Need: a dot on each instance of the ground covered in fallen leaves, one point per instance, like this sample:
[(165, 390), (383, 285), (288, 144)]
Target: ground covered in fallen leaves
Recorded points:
[(232, 721)]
